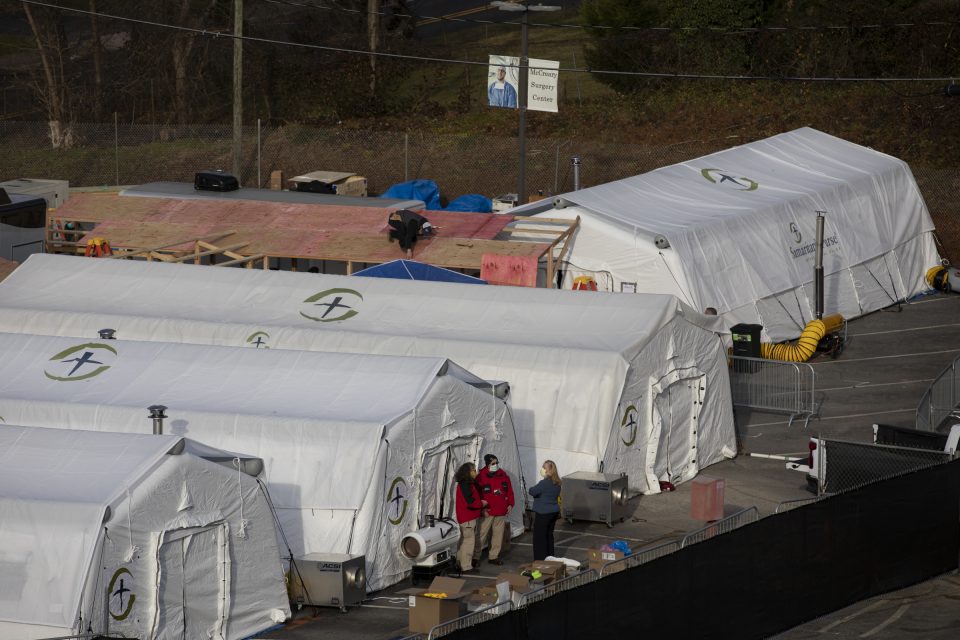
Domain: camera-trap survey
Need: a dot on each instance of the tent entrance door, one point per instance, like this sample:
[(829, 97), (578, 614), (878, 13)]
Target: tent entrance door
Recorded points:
[(194, 589), (437, 468), (676, 412)]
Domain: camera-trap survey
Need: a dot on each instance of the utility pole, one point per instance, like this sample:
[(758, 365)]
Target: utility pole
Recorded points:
[(522, 93), (373, 29), (525, 7), (237, 85)]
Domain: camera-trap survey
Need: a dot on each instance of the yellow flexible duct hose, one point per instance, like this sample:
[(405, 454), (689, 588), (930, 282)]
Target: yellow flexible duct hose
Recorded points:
[(806, 346), (939, 278)]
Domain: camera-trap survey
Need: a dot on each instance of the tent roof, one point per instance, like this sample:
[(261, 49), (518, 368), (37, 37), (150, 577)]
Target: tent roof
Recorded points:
[(788, 167), (74, 466), (333, 388), (413, 270), (536, 318), (298, 411)]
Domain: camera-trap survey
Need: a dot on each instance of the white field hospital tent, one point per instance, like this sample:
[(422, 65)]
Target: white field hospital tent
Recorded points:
[(736, 231), (355, 447), (638, 383), (132, 536)]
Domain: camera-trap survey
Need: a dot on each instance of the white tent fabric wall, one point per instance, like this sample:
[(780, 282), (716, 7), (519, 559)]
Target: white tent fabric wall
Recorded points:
[(84, 513), (568, 356), (336, 432), (740, 225)]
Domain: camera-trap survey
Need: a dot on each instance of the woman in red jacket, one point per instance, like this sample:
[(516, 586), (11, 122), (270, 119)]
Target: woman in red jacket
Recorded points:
[(469, 507)]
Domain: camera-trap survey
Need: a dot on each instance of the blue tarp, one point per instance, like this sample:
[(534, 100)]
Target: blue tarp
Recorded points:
[(426, 190), (412, 270), (471, 202)]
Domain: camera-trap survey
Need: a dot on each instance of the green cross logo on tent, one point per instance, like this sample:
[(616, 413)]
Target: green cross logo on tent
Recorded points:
[(258, 340), (397, 501), (729, 180), (121, 594), (797, 236), (332, 305), (81, 362), (629, 424)]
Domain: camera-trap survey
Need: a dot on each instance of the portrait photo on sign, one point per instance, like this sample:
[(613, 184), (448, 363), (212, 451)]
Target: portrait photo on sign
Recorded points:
[(502, 81)]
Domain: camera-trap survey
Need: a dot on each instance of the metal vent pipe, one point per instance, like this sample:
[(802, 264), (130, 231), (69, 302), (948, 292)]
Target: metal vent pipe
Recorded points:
[(575, 160), (157, 415), (818, 268), (107, 334)]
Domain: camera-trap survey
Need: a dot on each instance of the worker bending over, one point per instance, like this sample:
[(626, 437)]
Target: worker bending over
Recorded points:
[(405, 226)]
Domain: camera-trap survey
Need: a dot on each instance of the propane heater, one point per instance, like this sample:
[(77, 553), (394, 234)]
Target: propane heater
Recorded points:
[(432, 549)]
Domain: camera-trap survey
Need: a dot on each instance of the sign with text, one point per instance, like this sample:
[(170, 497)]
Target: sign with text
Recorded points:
[(543, 77)]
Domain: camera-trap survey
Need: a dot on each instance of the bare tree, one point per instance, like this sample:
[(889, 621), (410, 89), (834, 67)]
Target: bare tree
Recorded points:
[(97, 64), (182, 50), (49, 37)]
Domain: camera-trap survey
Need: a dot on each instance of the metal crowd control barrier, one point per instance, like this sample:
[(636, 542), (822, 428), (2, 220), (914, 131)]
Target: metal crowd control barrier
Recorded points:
[(570, 582), (639, 557), (725, 525), (472, 618), (775, 386), (787, 505), (940, 399)]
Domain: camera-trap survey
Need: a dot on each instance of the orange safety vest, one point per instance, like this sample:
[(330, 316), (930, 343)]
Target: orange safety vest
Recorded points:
[(98, 248), (584, 283)]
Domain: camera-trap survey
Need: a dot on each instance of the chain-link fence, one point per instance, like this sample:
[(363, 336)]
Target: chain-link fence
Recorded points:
[(122, 154), (842, 465)]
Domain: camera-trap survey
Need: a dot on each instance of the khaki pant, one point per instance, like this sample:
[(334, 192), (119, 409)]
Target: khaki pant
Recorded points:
[(468, 544), (497, 524)]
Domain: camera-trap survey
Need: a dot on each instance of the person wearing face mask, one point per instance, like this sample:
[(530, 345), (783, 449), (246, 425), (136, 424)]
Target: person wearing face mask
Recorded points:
[(469, 506), (496, 489), (546, 506)]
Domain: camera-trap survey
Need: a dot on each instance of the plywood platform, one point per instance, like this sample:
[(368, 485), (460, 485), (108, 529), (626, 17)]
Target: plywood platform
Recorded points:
[(285, 230), (7, 267)]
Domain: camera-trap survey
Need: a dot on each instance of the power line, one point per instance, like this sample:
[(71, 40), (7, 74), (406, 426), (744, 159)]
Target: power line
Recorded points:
[(559, 25), (401, 56)]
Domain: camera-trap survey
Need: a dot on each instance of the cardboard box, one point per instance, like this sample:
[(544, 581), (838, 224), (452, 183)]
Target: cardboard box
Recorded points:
[(343, 184), (482, 597), (276, 180), (485, 597), (596, 558), (519, 585), (552, 570), (426, 613)]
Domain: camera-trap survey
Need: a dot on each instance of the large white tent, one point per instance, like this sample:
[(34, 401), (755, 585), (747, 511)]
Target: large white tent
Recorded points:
[(356, 448), (735, 230), (134, 536), (636, 383)]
